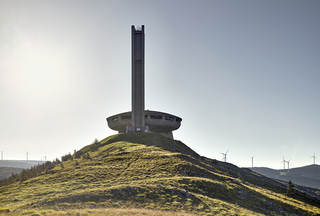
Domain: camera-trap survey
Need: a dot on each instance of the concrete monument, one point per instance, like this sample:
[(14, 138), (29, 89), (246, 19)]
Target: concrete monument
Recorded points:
[(139, 119)]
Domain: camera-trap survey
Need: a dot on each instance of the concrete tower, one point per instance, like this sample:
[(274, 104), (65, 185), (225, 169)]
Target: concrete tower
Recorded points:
[(139, 119)]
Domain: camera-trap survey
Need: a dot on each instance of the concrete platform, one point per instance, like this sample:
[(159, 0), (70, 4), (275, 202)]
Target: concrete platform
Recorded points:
[(155, 121)]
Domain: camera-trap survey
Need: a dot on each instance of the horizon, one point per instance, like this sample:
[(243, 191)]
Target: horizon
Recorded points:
[(41, 160), (210, 158), (243, 76)]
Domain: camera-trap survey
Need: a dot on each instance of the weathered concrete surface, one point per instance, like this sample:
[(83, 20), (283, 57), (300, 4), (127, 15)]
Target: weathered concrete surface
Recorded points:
[(156, 122), (138, 121)]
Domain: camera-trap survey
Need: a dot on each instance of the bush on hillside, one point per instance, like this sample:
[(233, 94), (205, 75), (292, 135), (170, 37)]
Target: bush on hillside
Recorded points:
[(95, 145), (86, 156), (76, 154), (290, 191), (66, 157)]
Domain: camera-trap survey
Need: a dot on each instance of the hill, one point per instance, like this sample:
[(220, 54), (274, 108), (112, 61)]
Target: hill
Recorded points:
[(6, 172), (19, 163), (148, 174), (310, 171), (307, 175), (8, 167)]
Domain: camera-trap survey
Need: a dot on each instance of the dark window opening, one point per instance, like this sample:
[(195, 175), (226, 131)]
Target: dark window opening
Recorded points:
[(114, 119), (169, 118), (126, 117), (156, 116)]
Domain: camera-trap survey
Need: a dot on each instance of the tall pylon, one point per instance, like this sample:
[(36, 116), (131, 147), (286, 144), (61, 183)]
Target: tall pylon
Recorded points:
[(138, 97)]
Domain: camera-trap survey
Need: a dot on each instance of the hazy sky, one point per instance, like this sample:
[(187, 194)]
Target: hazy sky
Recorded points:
[(243, 75)]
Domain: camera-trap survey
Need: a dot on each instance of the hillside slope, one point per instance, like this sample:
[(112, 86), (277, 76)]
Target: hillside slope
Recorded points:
[(152, 175)]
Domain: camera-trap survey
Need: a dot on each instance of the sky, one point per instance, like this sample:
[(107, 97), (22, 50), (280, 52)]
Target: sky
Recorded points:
[(243, 75)]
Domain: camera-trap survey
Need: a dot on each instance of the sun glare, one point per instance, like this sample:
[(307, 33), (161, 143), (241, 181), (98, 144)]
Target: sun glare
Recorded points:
[(36, 71)]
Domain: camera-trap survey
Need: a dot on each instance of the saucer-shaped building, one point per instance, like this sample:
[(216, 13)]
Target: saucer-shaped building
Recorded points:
[(155, 122)]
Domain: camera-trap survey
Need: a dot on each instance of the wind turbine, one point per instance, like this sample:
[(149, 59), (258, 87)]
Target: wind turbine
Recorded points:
[(284, 163), (288, 164), (27, 153), (314, 158), (45, 158), (252, 161), (225, 156)]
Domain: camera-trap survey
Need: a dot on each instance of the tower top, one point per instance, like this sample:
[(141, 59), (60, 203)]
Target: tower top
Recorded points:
[(138, 28)]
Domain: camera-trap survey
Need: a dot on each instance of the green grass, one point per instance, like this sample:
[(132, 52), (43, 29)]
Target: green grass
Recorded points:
[(148, 174)]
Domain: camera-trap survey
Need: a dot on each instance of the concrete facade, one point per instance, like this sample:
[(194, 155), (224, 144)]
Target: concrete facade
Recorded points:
[(155, 122), (139, 119)]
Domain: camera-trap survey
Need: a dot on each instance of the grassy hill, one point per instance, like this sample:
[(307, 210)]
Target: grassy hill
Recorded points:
[(148, 174)]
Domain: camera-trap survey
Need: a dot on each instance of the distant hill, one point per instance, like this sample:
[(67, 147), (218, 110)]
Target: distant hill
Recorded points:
[(310, 171), (6, 172), (19, 163), (148, 174), (7, 167), (307, 175)]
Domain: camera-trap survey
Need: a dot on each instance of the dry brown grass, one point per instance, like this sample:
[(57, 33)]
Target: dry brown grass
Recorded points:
[(97, 212)]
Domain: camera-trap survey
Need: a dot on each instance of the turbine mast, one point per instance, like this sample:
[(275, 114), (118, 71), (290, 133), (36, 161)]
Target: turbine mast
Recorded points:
[(288, 165), (224, 158), (314, 158), (284, 163), (252, 161)]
